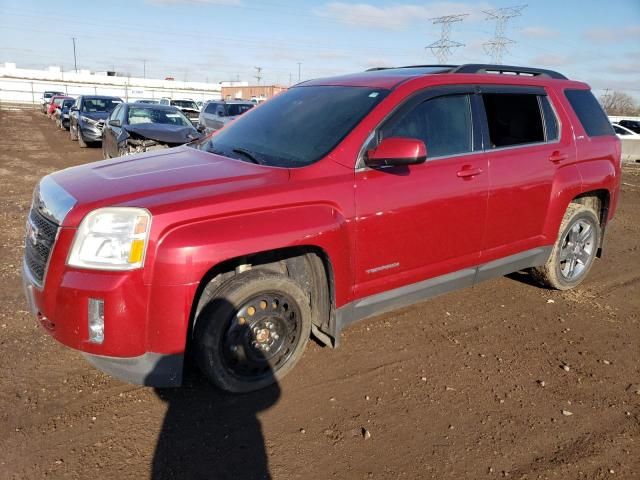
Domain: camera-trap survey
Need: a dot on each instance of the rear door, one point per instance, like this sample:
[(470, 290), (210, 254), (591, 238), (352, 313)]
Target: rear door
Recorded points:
[(525, 149), (424, 220)]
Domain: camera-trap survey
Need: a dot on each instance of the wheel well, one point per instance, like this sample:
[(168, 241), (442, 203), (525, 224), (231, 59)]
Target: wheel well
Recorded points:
[(598, 200), (308, 266)]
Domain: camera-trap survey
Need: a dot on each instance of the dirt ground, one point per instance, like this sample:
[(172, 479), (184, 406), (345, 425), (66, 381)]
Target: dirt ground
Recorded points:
[(469, 385)]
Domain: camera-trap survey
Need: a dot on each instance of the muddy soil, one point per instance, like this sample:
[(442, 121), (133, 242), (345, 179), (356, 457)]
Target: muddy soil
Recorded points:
[(469, 385)]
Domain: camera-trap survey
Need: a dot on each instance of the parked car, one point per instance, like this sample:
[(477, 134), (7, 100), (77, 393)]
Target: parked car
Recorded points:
[(633, 125), (624, 132), (55, 103), (138, 127), (87, 115), (630, 141), (45, 100), (62, 113), (149, 101), (338, 199), (217, 113), (188, 107)]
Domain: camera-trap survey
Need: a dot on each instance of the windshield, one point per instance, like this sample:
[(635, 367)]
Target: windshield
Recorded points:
[(68, 102), (138, 115), (184, 104), (234, 109), (99, 104), (58, 101), (297, 127)]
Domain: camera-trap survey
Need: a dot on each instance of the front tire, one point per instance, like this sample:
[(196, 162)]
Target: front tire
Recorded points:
[(575, 250), (81, 141), (253, 331), (72, 136)]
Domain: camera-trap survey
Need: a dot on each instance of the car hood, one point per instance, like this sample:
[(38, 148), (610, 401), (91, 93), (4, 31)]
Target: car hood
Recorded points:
[(164, 133), (162, 180), (95, 115)]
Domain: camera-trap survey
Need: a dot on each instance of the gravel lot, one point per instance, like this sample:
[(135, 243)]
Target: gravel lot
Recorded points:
[(502, 380)]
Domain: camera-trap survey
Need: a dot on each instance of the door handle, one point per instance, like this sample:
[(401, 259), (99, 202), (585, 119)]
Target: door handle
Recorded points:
[(558, 157), (469, 172)]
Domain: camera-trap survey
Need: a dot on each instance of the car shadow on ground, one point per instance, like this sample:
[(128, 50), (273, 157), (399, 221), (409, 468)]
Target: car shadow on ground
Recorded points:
[(524, 276), (210, 434)]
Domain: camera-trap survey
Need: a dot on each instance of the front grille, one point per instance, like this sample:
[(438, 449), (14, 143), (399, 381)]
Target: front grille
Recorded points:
[(41, 235)]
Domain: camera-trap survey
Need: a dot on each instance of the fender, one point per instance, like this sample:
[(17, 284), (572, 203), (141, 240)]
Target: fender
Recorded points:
[(601, 175), (186, 253), (567, 185)]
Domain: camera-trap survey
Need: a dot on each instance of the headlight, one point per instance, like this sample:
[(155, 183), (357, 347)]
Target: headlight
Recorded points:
[(112, 238), (88, 120)]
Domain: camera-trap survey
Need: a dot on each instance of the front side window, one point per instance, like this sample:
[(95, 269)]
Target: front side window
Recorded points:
[(513, 119), (211, 108), (442, 123), (297, 127), (234, 109), (115, 112)]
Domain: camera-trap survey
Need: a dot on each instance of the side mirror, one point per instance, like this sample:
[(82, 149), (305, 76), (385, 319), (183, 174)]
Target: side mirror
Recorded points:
[(396, 151), (73, 109), (114, 123), (220, 113)]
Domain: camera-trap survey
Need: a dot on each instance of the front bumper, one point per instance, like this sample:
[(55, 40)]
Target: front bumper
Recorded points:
[(124, 333), (151, 369), (91, 133)]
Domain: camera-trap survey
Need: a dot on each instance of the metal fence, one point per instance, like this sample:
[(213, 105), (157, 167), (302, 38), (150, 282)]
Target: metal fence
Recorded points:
[(30, 92)]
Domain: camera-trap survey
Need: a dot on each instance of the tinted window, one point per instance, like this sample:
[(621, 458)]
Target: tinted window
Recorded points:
[(550, 120), (297, 127), (589, 112), (632, 125), (100, 104), (211, 108), (442, 123), (234, 109), (513, 119)]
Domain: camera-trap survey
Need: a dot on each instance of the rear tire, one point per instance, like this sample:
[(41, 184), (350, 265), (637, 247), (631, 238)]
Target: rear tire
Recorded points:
[(574, 251), (253, 331)]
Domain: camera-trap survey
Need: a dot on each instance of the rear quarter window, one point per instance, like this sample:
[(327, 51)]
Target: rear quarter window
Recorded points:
[(589, 112)]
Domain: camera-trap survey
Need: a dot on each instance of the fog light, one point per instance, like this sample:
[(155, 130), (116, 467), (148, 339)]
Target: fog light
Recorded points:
[(96, 320)]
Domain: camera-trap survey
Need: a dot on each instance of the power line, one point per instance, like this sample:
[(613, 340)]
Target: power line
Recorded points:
[(497, 46), (442, 48)]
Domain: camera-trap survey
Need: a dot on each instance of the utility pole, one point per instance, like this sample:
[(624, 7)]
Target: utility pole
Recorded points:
[(75, 63), (497, 46), (258, 76), (442, 48), (144, 68), (299, 63)]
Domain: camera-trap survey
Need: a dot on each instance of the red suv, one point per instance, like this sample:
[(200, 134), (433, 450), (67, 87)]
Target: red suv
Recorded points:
[(337, 200)]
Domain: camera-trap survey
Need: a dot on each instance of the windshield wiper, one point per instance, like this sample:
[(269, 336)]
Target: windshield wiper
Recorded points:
[(248, 154)]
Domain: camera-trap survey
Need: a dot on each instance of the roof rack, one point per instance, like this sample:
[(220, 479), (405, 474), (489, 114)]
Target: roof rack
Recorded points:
[(485, 68), (488, 68)]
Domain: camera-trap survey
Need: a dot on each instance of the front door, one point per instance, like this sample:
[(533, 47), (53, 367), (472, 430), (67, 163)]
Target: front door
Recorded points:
[(422, 221)]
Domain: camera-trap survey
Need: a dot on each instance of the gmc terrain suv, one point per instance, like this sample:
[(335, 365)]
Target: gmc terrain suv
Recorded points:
[(337, 200)]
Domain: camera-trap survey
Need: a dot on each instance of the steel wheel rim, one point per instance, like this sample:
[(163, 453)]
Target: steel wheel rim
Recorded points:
[(577, 249), (261, 336)]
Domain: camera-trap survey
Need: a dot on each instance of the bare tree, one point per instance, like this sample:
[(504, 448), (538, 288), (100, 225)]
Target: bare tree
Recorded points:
[(619, 103)]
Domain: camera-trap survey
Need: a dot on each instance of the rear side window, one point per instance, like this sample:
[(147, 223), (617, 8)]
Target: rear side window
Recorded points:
[(589, 112), (513, 119), (442, 123)]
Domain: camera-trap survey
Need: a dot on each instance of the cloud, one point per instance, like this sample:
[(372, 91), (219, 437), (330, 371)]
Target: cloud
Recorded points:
[(552, 60), (194, 2), (397, 16), (378, 62), (539, 32), (628, 67), (612, 34)]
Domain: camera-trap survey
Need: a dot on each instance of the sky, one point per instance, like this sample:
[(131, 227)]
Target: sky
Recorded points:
[(217, 40)]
